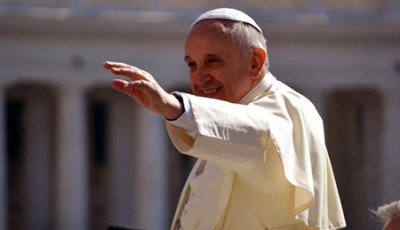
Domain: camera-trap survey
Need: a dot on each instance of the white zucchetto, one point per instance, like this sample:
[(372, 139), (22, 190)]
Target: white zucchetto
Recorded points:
[(227, 14)]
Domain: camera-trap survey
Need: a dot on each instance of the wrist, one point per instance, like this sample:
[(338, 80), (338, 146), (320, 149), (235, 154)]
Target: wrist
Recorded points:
[(177, 106)]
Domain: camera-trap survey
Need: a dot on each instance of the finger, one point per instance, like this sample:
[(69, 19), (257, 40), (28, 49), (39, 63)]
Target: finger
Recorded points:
[(138, 84), (110, 64), (131, 72), (120, 85), (130, 87)]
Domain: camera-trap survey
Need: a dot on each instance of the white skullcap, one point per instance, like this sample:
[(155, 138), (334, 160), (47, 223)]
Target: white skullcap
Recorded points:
[(227, 14)]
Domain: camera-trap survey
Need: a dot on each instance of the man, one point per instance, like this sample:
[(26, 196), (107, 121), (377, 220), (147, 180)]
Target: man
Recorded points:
[(390, 213), (262, 161)]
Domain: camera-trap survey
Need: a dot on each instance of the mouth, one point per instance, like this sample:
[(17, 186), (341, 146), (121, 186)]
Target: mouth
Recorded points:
[(209, 91)]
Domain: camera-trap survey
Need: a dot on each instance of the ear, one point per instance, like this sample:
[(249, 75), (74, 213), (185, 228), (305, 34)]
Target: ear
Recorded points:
[(258, 59)]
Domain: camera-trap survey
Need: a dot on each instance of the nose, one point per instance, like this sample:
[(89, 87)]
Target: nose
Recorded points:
[(200, 76)]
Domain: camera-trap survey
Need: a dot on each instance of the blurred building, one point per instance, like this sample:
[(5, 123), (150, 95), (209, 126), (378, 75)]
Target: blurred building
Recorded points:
[(76, 155)]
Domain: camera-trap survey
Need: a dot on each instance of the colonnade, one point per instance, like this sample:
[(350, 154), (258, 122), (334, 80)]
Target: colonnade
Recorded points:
[(53, 175), (51, 187)]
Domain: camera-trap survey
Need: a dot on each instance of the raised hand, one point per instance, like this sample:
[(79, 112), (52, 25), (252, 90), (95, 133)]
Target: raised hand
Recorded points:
[(144, 89)]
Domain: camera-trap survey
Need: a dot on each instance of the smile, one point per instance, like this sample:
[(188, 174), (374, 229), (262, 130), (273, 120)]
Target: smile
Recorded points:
[(209, 91)]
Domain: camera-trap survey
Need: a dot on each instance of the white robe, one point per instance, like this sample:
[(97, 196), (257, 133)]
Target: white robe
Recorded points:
[(239, 142)]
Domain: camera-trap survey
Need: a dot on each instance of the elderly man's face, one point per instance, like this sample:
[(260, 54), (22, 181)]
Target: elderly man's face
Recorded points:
[(219, 68)]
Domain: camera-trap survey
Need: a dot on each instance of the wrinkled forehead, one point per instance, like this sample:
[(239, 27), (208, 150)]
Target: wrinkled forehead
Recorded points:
[(212, 25), (215, 31), (212, 36)]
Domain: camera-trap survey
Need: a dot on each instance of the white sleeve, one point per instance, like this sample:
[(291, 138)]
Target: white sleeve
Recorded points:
[(186, 120), (242, 137)]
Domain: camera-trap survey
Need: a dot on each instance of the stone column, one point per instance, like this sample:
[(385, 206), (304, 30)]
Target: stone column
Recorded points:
[(121, 154), (151, 175), (37, 170), (71, 182)]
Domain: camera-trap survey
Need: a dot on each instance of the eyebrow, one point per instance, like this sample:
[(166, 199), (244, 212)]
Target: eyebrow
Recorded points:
[(187, 57)]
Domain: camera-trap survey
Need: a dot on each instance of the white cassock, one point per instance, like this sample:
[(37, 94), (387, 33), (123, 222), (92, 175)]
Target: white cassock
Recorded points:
[(263, 163)]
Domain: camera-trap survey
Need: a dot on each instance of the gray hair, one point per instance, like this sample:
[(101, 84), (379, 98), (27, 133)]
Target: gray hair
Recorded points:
[(388, 210), (248, 38)]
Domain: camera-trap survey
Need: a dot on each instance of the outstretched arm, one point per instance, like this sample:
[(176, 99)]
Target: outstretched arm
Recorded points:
[(144, 89)]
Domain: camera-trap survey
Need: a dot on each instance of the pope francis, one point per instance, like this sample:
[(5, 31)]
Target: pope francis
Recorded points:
[(262, 161)]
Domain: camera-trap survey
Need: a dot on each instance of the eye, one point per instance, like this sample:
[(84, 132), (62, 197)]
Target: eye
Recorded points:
[(212, 62), (191, 64)]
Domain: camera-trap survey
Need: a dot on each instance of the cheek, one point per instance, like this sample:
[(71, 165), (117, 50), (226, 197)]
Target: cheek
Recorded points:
[(192, 86), (238, 86)]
